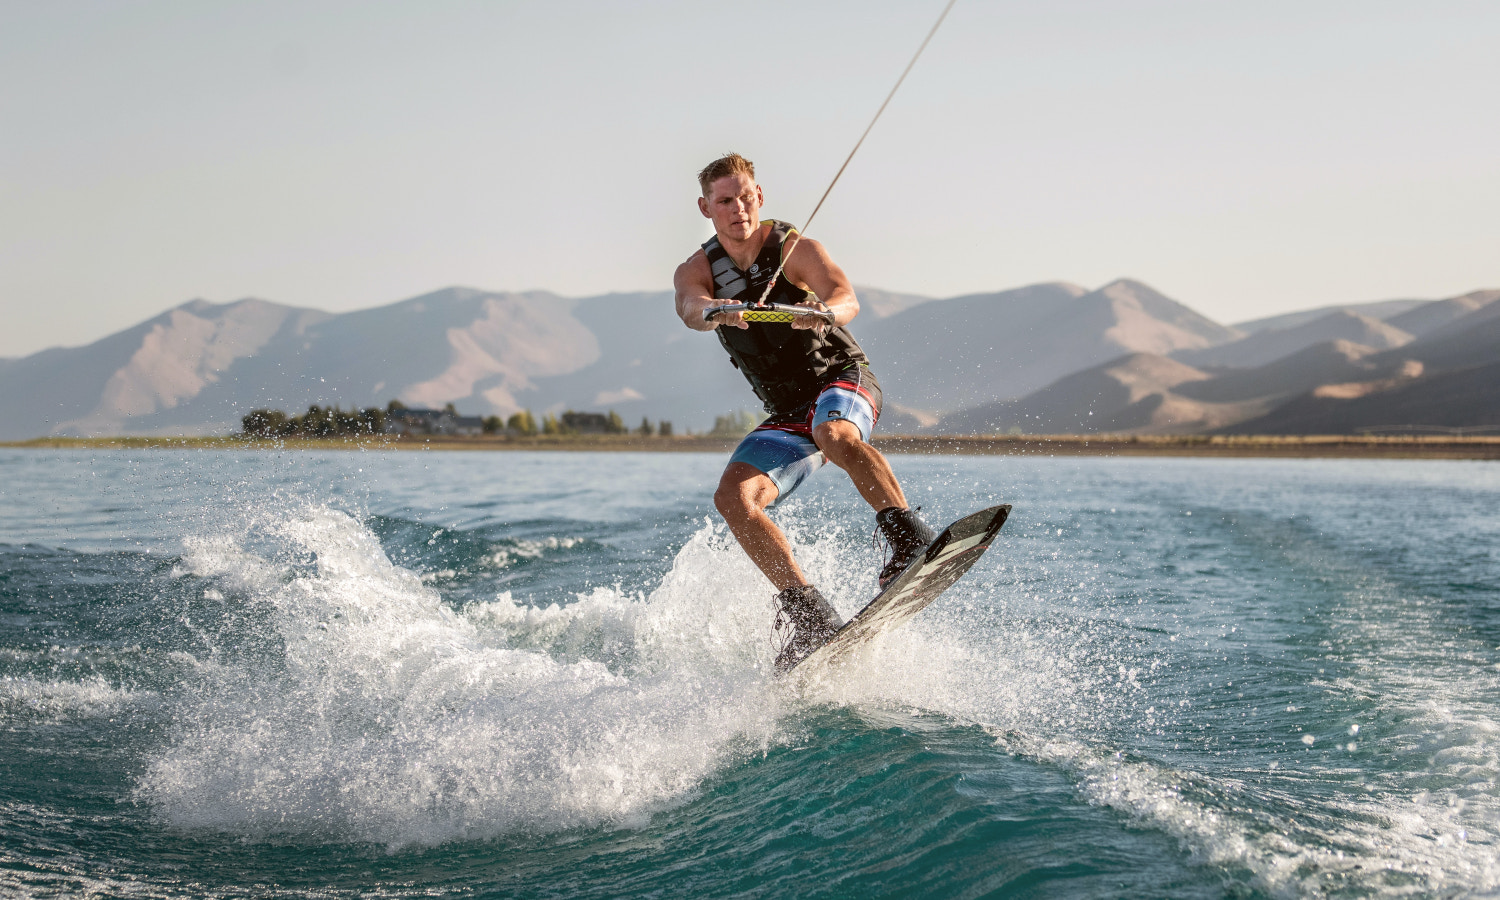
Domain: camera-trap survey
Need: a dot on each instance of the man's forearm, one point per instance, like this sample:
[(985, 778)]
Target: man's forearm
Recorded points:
[(690, 310), (843, 304)]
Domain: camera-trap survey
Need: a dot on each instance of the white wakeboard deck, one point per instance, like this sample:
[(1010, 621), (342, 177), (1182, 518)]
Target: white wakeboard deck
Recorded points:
[(946, 560)]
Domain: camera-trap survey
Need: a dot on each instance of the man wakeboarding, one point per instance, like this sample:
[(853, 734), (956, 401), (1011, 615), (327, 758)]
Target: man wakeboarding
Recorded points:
[(813, 379)]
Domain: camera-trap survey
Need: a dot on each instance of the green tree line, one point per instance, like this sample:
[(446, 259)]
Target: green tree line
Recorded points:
[(333, 421), (737, 424), (318, 421), (572, 422)]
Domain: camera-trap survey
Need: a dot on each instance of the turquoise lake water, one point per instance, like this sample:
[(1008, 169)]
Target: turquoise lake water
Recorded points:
[(547, 675)]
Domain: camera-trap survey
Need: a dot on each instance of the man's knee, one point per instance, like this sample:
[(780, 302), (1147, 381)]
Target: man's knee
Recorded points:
[(838, 440), (730, 501), (742, 492)]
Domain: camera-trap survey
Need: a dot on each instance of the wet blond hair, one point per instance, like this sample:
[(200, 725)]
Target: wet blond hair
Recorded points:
[(728, 164)]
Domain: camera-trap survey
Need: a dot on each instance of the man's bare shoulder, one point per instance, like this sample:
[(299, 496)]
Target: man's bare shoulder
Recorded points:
[(695, 267), (808, 258), (810, 246)]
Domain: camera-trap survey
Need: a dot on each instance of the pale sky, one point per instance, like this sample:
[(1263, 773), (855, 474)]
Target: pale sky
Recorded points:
[(1244, 158)]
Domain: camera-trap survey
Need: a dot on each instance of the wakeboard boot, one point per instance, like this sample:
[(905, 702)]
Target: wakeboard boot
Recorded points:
[(814, 623), (906, 535)]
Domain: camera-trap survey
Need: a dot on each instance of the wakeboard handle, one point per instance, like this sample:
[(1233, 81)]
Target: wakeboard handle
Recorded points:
[(769, 312)]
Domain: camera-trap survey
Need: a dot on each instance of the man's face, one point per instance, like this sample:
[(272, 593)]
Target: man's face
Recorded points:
[(733, 202)]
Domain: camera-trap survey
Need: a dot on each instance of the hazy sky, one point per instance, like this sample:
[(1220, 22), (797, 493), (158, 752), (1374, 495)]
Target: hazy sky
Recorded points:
[(1245, 158)]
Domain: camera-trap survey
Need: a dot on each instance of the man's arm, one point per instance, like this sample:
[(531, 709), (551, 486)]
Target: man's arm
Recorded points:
[(694, 283), (811, 268)]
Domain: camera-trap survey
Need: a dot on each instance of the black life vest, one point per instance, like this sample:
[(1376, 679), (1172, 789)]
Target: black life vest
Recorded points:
[(786, 367)]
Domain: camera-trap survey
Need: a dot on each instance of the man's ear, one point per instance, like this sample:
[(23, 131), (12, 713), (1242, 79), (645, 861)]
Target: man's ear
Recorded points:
[(703, 207)]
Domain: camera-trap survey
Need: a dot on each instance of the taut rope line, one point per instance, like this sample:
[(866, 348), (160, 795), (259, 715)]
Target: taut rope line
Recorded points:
[(798, 236)]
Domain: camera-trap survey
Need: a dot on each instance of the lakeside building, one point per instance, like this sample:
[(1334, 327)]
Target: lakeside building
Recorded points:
[(432, 421), (591, 423)]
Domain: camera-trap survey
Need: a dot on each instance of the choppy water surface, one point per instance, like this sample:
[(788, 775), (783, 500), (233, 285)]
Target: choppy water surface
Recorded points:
[(338, 674)]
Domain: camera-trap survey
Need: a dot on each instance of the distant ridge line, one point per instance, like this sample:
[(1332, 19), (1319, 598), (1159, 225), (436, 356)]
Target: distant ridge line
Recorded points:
[(1455, 430), (1050, 357)]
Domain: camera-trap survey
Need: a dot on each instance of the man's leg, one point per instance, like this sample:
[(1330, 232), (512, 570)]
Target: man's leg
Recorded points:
[(843, 445), (743, 495)]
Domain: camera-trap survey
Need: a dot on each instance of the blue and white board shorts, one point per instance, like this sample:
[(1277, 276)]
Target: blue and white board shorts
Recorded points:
[(788, 454)]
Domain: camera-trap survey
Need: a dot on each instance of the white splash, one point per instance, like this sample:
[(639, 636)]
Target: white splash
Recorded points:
[(501, 557), (65, 700), (394, 718)]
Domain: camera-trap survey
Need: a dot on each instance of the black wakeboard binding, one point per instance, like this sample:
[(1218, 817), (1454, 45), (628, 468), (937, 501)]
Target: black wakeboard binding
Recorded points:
[(814, 623), (907, 536)]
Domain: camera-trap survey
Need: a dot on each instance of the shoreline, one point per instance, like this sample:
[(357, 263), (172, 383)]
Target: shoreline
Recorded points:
[(1234, 446)]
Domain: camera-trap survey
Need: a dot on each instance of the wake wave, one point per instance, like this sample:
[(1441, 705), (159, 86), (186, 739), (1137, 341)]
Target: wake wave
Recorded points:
[(387, 715), (56, 700), (391, 717)]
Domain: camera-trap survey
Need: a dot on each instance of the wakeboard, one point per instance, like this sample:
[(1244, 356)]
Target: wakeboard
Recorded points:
[(948, 557)]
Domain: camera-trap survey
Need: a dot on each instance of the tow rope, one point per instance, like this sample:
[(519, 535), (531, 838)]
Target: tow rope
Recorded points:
[(797, 236)]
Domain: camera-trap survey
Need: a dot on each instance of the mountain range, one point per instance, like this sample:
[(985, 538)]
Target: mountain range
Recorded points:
[(1046, 358)]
